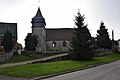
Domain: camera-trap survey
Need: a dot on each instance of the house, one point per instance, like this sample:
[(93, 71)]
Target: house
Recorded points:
[(12, 27)]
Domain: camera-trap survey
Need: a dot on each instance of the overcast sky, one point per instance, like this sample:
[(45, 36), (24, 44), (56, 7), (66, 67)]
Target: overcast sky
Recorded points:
[(61, 13)]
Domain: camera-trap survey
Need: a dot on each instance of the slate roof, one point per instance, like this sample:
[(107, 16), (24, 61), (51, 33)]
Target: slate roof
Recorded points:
[(38, 20), (60, 34), (38, 15)]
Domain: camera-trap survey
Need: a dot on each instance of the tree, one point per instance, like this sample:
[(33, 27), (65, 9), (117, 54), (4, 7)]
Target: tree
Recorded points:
[(7, 41), (18, 46), (81, 44), (30, 42), (103, 40)]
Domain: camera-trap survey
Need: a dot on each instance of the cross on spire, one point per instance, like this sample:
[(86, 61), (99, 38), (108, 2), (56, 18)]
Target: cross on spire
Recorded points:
[(38, 2)]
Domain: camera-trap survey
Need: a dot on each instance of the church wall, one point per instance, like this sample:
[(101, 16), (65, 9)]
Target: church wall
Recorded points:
[(41, 37), (39, 31), (58, 46), (41, 46)]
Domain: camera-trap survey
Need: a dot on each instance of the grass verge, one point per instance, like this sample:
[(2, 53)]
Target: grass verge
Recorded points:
[(18, 58), (42, 69)]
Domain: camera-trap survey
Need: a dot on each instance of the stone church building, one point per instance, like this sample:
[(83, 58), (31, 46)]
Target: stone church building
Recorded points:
[(50, 39)]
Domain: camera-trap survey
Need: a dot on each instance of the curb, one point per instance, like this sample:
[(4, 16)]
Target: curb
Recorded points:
[(87, 67)]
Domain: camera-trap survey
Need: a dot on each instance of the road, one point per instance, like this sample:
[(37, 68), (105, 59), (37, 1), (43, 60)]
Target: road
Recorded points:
[(109, 71), (10, 78)]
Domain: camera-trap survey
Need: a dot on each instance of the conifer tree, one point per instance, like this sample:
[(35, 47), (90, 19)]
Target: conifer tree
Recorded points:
[(31, 42), (81, 44), (7, 41), (103, 40)]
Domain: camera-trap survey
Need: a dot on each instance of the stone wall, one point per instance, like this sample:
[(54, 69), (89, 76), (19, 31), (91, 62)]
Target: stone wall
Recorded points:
[(99, 53), (40, 32), (6, 56), (59, 58), (41, 54), (59, 45)]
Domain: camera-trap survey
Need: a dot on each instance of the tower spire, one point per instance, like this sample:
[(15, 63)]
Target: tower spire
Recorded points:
[(38, 20)]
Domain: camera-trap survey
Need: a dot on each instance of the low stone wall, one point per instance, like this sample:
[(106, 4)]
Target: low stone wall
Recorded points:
[(40, 54), (99, 53), (6, 56), (66, 57)]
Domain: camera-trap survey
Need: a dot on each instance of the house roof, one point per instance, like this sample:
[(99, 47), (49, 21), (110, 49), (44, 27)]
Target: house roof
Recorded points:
[(59, 34)]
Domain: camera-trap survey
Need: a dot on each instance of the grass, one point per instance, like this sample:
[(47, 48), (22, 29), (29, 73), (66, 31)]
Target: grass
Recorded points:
[(42, 69), (18, 58)]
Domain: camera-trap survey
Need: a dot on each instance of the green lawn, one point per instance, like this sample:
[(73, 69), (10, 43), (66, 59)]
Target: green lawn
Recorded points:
[(41, 69), (19, 58)]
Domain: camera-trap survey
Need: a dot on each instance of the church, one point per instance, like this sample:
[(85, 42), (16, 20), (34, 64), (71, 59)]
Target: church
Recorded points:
[(50, 38)]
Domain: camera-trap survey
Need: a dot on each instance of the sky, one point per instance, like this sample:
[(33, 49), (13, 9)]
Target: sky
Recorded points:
[(61, 14)]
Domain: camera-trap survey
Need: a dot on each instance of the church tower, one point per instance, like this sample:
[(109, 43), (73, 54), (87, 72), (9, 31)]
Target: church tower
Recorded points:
[(38, 29)]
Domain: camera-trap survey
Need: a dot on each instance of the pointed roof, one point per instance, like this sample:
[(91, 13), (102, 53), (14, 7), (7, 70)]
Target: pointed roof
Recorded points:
[(38, 20), (38, 15)]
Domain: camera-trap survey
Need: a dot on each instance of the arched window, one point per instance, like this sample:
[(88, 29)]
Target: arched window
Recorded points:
[(53, 44), (64, 44)]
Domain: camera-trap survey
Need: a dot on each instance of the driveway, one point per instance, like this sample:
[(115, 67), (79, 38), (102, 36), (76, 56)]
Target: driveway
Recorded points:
[(109, 71)]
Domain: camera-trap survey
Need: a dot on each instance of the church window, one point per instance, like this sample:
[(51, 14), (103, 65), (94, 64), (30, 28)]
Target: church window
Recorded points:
[(64, 44), (54, 44)]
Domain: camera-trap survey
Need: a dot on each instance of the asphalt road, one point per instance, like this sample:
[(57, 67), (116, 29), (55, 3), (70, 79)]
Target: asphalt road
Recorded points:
[(10, 78), (109, 71)]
